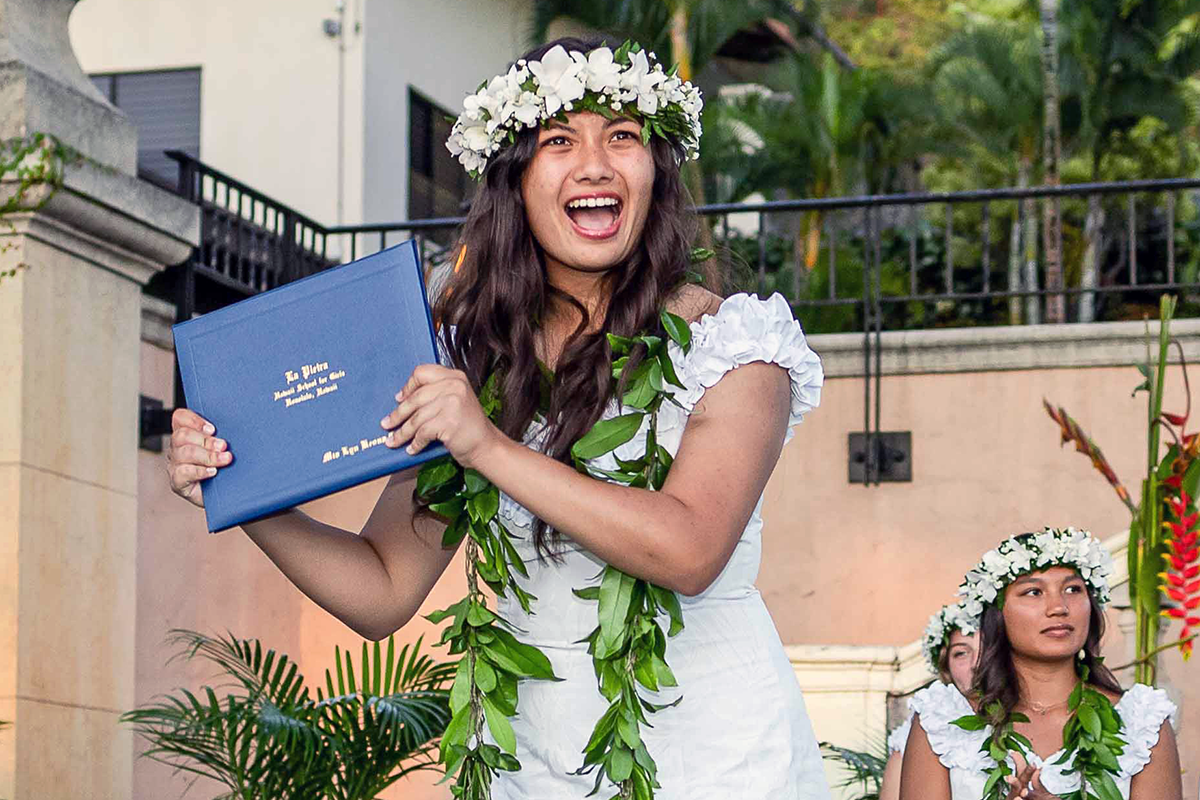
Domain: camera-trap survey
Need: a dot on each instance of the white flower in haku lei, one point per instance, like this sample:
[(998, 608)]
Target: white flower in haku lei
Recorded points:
[(950, 618), (1019, 555), (558, 78), (603, 73), (526, 109)]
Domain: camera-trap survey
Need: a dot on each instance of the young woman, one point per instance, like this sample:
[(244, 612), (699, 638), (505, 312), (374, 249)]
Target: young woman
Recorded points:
[(951, 648), (580, 228), (1041, 596)]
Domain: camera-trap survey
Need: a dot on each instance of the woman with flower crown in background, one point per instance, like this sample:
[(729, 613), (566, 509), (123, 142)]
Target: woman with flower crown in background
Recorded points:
[(951, 648), (579, 240), (1049, 715)]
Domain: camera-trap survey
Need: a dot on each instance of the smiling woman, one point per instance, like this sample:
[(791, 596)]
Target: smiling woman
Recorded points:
[(612, 428), (1051, 719)]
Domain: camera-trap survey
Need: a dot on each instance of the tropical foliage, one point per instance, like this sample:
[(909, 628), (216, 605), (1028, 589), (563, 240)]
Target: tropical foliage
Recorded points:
[(863, 768), (261, 733)]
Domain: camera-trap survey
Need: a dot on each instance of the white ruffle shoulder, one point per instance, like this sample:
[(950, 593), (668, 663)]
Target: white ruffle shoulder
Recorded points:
[(741, 729), (898, 738), (1142, 709)]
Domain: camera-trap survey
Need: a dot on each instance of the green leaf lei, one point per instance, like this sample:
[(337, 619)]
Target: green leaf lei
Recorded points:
[(628, 646), (1091, 735)]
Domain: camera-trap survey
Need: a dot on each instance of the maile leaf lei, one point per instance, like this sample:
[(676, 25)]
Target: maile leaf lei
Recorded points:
[(1091, 736), (485, 683), (628, 647)]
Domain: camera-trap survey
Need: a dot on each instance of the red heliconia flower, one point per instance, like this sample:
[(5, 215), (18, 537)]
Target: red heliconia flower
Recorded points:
[(1183, 561), (1175, 419)]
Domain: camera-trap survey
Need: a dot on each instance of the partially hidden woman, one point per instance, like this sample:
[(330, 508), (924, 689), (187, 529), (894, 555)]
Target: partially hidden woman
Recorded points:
[(1041, 597), (581, 227), (951, 648)]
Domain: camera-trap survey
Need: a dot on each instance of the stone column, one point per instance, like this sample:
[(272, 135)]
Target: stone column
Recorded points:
[(69, 363)]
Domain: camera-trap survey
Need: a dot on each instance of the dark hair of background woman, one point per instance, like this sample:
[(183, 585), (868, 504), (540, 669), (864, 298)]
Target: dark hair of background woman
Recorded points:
[(494, 304), (996, 678)]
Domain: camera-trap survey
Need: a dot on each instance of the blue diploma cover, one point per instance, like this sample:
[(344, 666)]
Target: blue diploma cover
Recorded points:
[(296, 380)]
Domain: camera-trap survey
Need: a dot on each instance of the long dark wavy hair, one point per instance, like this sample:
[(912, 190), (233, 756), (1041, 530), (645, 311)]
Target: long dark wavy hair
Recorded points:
[(996, 677), (495, 302)]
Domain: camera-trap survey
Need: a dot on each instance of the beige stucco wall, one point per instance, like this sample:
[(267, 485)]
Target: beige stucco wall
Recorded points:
[(269, 83)]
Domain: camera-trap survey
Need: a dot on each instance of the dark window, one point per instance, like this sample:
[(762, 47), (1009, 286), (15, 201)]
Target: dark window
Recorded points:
[(165, 107), (437, 183)]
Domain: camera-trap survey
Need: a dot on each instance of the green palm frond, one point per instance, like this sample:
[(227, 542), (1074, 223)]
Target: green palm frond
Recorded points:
[(865, 767), (262, 736)]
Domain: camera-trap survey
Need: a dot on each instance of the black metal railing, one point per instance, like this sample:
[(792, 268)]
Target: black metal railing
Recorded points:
[(847, 264)]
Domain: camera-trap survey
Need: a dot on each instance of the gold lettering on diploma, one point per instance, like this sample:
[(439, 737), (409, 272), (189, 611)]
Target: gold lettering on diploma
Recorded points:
[(309, 382), (348, 450)]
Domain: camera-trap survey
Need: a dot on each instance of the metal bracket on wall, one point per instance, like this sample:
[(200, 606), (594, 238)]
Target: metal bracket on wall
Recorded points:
[(885, 456), (154, 422)]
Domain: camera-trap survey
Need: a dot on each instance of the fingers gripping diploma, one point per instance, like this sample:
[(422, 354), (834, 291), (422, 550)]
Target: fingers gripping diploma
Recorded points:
[(194, 454), (438, 404)]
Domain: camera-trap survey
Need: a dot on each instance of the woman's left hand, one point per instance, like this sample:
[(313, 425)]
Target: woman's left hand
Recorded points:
[(439, 404), (1032, 789)]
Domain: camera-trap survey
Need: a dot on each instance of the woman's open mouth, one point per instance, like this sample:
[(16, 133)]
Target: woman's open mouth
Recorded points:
[(595, 216)]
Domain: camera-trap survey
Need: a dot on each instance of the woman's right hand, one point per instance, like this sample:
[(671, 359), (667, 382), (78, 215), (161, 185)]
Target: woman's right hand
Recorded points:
[(194, 454)]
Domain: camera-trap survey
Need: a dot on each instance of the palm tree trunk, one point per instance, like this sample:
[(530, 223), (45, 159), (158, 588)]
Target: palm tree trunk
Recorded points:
[(681, 53), (1033, 303), (1051, 153), (1091, 258)]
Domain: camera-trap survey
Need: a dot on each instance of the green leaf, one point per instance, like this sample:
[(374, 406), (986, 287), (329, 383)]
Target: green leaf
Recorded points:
[(641, 393), (458, 731), (460, 693), (454, 533), (518, 658), (500, 727), (668, 370), (971, 722), (434, 474), (587, 593), (478, 615), (485, 676), (1090, 720), (475, 482), (619, 344), (450, 508), (450, 611), (607, 435), (616, 590), (620, 764), (663, 672), (677, 328), (486, 504)]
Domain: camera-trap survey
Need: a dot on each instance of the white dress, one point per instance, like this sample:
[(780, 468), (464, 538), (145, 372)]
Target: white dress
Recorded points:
[(1143, 711), (741, 730), (898, 738)]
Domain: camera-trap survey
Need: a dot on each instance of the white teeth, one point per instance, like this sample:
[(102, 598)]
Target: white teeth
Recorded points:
[(592, 202)]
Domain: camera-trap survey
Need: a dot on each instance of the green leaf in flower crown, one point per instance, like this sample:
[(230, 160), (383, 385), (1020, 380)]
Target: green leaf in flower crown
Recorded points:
[(500, 727), (607, 435), (677, 328), (434, 474)]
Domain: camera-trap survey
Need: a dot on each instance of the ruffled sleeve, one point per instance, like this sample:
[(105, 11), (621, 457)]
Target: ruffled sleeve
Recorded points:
[(1143, 710), (743, 330), (938, 705), (899, 737)]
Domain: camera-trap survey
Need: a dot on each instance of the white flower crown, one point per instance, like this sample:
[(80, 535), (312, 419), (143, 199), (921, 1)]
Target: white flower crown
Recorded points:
[(1018, 555), (945, 621), (627, 82)]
